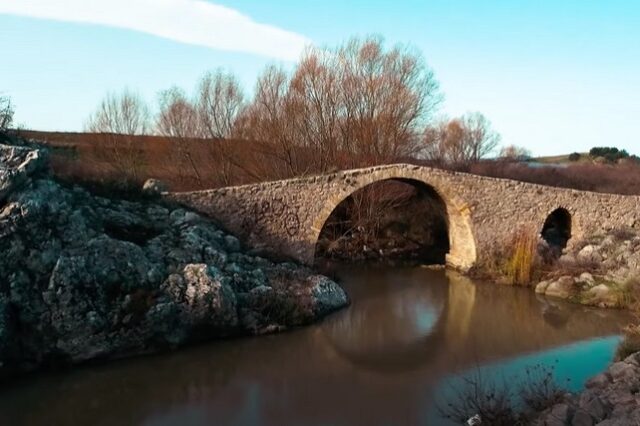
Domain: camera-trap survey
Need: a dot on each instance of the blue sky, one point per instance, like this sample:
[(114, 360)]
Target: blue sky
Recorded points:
[(553, 76)]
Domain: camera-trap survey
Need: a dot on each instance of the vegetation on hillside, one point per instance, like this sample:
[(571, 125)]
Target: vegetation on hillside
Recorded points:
[(611, 154)]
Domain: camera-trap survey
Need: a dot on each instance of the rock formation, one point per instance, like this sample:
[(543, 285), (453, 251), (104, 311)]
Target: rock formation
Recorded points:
[(602, 270), (85, 277)]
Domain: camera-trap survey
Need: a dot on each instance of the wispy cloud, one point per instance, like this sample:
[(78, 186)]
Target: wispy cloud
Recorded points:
[(195, 22)]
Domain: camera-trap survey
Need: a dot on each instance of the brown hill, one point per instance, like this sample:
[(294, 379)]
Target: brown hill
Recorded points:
[(102, 160)]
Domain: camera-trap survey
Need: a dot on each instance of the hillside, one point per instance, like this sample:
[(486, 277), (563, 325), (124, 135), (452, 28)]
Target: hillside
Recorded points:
[(108, 162)]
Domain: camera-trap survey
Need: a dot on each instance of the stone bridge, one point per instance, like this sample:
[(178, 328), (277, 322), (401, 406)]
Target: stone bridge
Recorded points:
[(286, 217)]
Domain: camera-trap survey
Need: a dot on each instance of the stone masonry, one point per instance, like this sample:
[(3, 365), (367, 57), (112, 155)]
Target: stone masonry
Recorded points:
[(286, 217)]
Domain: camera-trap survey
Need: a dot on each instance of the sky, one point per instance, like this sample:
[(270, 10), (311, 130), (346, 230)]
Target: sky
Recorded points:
[(554, 76)]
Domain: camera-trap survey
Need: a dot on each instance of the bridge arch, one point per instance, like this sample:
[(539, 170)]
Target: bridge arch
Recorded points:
[(462, 246), (556, 230)]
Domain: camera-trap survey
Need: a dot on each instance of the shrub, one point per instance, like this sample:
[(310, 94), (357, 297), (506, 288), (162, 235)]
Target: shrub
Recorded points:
[(482, 397), (515, 403), (575, 157), (540, 390)]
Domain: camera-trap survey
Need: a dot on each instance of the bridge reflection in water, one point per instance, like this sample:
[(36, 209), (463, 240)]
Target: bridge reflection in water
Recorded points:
[(453, 321), (378, 362)]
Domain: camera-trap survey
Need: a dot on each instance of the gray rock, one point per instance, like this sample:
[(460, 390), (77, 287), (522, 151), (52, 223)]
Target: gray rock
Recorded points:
[(560, 415), (596, 408), (599, 381), (589, 253), (582, 418), (586, 278), (154, 187), (327, 295), (541, 287), (17, 164), (622, 370), (203, 298)]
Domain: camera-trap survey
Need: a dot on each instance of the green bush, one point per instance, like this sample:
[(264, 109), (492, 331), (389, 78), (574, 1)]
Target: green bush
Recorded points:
[(611, 154)]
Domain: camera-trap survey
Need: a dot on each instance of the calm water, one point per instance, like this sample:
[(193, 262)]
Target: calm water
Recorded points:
[(408, 336)]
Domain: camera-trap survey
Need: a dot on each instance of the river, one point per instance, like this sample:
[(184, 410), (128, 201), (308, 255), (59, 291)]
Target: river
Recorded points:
[(398, 351)]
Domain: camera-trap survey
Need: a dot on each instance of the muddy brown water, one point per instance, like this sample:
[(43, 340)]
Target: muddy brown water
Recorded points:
[(400, 349)]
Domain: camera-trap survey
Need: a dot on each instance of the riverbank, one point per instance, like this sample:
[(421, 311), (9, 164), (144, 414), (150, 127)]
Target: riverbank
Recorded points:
[(88, 277), (602, 271), (611, 398)]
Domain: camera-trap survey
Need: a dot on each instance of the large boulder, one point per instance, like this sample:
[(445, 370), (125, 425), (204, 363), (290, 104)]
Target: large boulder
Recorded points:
[(563, 288), (88, 277)]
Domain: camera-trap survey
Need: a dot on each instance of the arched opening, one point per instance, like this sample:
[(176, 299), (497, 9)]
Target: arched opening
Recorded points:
[(556, 231), (394, 219)]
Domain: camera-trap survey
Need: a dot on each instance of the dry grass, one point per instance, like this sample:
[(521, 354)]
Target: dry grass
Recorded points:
[(520, 264), (515, 261)]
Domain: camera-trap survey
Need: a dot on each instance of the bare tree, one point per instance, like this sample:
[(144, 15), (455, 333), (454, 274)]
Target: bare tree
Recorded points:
[(354, 105), (513, 152), (123, 114), (178, 120), (444, 142), (219, 101), (177, 117), (481, 140), (6, 113), (460, 141), (119, 119), (387, 98), (270, 118)]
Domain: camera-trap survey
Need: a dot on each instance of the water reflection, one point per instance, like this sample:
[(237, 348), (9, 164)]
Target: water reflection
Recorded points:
[(390, 333), (378, 362)]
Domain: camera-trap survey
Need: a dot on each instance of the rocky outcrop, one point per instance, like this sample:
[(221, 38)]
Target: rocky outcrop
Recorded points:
[(16, 164), (154, 187), (603, 271), (85, 277), (610, 399)]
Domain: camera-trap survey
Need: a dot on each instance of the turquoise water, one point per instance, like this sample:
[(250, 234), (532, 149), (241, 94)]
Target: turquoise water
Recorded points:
[(571, 365)]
